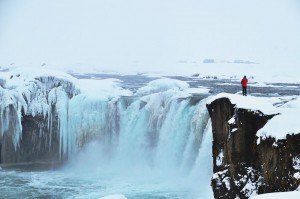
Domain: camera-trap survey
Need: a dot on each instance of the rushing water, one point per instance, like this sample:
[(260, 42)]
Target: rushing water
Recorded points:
[(152, 145), (88, 178)]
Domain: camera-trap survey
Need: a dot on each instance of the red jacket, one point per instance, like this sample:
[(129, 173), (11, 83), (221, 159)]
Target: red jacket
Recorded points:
[(244, 82)]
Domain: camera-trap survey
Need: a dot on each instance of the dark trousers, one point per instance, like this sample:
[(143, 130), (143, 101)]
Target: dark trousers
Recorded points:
[(244, 91)]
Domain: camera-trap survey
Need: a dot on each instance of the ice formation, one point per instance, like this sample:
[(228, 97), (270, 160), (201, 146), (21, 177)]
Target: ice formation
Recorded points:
[(32, 93), (158, 116)]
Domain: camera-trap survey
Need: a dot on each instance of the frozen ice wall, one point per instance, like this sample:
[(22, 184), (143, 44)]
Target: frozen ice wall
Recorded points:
[(160, 133), (33, 93), (160, 130), (161, 123)]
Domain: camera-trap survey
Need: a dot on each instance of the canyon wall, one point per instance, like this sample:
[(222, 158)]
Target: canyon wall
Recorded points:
[(241, 166)]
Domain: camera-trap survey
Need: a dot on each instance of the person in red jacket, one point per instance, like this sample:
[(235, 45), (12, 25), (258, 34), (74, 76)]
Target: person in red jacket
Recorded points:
[(244, 83)]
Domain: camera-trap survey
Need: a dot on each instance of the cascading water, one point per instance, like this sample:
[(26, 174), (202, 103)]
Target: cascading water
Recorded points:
[(153, 144), (161, 136)]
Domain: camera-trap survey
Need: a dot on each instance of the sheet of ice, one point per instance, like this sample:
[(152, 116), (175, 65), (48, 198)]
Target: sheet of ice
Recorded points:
[(279, 195), (114, 197)]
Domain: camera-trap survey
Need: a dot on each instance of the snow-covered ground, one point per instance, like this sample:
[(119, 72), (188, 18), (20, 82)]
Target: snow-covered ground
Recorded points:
[(279, 195), (261, 75), (285, 109)]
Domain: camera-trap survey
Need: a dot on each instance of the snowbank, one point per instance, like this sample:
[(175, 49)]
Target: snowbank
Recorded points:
[(250, 102), (38, 91), (284, 109), (280, 195), (284, 123)]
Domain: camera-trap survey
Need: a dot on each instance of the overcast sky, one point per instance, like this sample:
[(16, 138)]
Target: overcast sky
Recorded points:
[(156, 33)]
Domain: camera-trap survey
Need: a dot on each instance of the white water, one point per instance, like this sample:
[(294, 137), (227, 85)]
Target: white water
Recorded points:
[(161, 149), (155, 143), (151, 145)]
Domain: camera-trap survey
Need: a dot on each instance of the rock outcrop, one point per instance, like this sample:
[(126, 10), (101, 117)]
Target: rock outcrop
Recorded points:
[(36, 145), (29, 118), (241, 166)]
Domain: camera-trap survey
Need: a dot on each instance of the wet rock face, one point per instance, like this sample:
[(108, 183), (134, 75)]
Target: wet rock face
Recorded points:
[(242, 167), (37, 144)]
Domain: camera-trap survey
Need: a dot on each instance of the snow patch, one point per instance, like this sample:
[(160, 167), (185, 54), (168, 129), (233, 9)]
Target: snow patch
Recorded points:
[(250, 103), (219, 176), (296, 165), (219, 159), (226, 181), (279, 195), (297, 175), (284, 123), (231, 121), (234, 130)]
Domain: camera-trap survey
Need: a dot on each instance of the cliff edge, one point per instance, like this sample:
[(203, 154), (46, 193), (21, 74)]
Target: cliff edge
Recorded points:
[(247, 158)]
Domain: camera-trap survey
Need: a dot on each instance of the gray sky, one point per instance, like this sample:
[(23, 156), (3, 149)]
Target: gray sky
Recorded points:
[(148, 33)]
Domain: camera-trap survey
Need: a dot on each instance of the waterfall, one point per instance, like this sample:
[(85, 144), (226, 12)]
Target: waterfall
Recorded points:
[(158, 137), (155, 130), (160, 132)]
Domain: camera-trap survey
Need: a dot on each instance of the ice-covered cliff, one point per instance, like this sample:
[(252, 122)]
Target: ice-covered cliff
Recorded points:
[(51, 116), (256, 145)]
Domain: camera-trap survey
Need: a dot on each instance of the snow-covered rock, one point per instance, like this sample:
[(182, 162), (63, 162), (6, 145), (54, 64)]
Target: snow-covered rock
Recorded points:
[(253, 168), (285, 111), (33, 93), (252, 103), (284, 123)]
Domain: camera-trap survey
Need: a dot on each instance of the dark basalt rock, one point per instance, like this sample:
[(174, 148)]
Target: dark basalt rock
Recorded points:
[(37, 144), (247, 166)]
